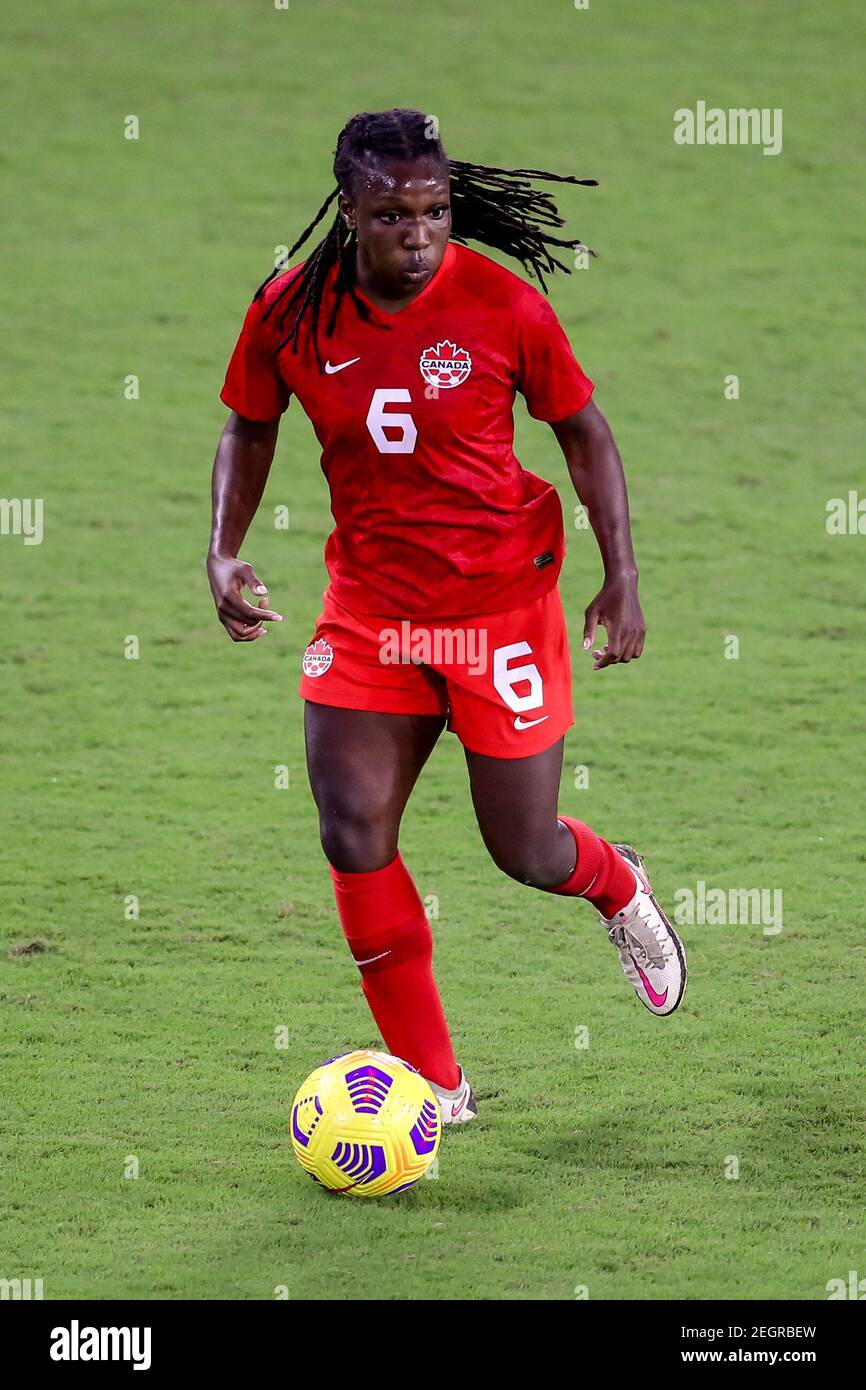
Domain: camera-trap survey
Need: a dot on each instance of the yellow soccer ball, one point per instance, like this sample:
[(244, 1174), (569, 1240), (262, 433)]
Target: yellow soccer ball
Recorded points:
[(365, 1124)]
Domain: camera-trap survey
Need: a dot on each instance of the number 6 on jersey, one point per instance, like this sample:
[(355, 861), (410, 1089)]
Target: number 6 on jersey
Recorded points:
[(378, 419)]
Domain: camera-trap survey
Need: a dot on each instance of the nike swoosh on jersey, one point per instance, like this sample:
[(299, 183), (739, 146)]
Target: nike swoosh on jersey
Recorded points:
[(330, 368), (529, 723)]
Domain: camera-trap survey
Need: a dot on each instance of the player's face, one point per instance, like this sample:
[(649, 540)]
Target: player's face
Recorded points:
[(402, 215)]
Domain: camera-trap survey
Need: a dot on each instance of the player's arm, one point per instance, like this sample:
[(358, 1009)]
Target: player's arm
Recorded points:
[(241, 467), (596, 470)]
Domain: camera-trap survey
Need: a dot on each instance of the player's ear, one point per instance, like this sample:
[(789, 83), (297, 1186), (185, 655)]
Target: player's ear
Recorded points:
[(347, 211)]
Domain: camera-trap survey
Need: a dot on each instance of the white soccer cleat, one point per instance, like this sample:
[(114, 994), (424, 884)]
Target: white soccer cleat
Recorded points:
[(650, 952), (456, 1107)]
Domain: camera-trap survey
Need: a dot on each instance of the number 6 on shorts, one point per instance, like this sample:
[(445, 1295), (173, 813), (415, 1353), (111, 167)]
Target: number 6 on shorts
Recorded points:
[(505, 678)]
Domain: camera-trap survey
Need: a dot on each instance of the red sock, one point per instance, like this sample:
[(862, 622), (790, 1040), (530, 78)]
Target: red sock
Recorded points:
[(389, 936), (600, 874)]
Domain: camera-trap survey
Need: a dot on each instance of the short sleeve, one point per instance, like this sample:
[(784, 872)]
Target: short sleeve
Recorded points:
[(548, 373), (254, 386)]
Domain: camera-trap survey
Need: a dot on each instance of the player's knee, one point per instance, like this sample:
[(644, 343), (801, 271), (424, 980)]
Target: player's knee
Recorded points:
[(358, 833), (530, 864)]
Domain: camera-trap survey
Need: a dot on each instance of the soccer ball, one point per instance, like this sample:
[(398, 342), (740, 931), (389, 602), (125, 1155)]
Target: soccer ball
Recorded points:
[(366, 1124)]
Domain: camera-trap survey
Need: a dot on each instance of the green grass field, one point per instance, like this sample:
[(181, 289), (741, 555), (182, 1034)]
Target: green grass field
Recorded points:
[(154, 1036)]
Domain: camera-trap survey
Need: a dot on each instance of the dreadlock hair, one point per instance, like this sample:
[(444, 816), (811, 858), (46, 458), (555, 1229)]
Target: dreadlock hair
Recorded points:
[(498, 207)]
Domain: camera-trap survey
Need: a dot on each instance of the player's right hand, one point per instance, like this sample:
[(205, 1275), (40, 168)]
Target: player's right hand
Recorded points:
[(228, 578)]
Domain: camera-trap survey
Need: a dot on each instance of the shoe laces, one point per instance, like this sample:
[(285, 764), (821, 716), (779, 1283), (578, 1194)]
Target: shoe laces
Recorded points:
[(638, 937)]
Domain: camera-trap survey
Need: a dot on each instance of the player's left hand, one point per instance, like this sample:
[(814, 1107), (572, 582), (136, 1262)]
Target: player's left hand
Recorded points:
[(617, 609)]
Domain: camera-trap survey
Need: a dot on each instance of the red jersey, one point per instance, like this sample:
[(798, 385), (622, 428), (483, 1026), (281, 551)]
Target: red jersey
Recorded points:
[(435, 517)]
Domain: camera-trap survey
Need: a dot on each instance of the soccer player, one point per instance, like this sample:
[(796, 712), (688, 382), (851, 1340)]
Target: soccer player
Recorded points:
[(406, 348)]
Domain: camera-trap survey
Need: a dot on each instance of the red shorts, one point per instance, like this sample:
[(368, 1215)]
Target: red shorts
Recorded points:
[(503, 680)]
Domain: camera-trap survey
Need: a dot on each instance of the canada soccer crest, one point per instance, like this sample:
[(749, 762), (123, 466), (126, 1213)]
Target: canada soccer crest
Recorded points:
[(317, 658), (445, 365)]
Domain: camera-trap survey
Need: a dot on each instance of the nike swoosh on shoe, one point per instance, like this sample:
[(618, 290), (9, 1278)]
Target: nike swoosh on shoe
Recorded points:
[(657, 999)]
